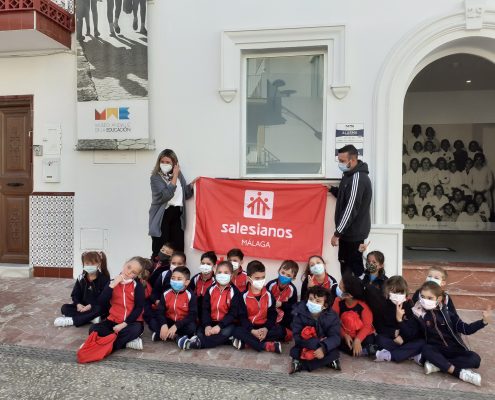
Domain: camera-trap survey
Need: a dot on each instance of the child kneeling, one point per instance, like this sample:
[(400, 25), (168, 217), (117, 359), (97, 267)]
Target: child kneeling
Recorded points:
[(220, 311), (316, 330), (124, 296), (258, 315), (177, 312)]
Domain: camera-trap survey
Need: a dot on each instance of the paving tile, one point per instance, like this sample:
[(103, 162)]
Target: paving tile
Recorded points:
[(29, 306)]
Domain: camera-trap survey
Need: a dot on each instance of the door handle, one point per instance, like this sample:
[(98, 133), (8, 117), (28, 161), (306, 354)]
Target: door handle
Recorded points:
[(15, 184)]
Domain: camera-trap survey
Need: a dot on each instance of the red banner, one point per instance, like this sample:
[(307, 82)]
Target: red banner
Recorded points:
[(265, 220)]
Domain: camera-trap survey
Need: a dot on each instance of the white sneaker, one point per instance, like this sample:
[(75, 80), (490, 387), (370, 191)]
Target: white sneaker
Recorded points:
[(383, 355), (62, 322), (136, 344), (96, 320), (430, 368), (469, 376), (417, 359)]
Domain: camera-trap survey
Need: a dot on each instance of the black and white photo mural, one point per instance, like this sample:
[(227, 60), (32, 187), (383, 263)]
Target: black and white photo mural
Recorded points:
[(112, 75), (448, 176)]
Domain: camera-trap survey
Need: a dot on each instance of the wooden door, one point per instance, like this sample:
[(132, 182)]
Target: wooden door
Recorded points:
[(16, 183)]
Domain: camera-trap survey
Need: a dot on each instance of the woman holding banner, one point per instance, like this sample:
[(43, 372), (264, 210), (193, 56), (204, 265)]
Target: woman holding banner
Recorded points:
[(169, 192)]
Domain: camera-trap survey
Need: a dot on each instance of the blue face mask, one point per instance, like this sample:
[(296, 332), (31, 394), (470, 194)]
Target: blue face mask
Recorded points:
[(343, 167), (339, 292), (177, 286), (313, 308), (284, 280)]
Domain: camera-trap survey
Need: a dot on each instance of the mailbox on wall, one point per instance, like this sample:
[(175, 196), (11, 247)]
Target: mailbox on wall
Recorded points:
[(51, 169)]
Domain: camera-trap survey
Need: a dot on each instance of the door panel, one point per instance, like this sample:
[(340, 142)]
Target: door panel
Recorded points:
[(15, 183)]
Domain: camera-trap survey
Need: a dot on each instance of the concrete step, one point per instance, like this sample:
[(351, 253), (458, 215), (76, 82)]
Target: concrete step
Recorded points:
[(471, 285)]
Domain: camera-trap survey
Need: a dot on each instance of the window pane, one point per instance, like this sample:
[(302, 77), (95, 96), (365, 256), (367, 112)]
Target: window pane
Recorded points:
[(284, 115)]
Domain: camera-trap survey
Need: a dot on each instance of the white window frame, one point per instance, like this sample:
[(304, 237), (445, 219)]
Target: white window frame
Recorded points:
[(243, 156), (329, 40)]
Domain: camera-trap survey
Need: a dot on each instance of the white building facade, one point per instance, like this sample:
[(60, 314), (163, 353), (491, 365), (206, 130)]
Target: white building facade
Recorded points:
[(203, 60)]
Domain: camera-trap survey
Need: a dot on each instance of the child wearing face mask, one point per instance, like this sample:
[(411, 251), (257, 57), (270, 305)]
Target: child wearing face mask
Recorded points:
[(88, 287), (124, 298), (162, 281), (162, 263), (357, 332), (239, 277), (374, 274), (444, 349), (203, 280), (316, 275), (220, 311), (177, 312), (258, 315), (439, 276), (394, 345), (316, 330), (285, 294)]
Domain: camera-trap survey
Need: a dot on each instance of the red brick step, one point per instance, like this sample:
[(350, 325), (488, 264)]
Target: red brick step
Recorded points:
[(471, 285)]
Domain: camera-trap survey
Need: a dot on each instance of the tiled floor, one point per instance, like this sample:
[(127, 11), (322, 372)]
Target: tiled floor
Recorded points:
[(475, 247), (29, 306)]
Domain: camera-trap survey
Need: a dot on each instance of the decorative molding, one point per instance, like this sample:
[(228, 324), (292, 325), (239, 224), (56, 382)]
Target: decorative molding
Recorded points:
[(474, 13), (227, 94), (114, 144), (52, 194), (234, 43), (340, 91)]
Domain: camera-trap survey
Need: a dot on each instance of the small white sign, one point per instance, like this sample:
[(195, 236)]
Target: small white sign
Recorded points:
[(350, 134), (118, 119)]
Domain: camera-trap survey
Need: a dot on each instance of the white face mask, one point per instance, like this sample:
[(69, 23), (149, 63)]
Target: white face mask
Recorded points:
[(205, 269), (397, 298), (166, 168), (432, 279), (90, 269), (235, 265), (222, 279), (259, 284), (428, 304), (126, 281), (317, 269)]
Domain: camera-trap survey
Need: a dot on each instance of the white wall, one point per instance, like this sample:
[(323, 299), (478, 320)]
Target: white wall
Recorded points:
[(186, 112), (454, 107)]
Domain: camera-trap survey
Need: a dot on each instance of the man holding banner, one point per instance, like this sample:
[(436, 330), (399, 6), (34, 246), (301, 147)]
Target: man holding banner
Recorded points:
[(352, 211)]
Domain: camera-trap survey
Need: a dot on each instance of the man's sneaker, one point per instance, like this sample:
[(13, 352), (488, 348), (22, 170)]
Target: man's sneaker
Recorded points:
[(237, 343), (195, 343), (96, 320), (273, 347), (295, 366), (62, 322), (335, 364), (136, 344), (417, 359), (183, 343), (430, 368), (155, 337), (469, 376), (383, 355)]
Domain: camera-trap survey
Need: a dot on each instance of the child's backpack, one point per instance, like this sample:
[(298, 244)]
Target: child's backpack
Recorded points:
[(95, 348)]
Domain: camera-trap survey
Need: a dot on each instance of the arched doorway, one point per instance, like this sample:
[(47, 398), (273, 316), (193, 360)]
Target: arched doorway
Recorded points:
[(448, 162), (462, 32)]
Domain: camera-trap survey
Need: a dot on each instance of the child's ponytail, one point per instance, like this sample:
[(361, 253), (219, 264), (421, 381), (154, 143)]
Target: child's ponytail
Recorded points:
[(103, 264)]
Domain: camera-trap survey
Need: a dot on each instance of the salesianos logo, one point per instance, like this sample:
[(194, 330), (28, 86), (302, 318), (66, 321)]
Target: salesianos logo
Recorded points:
[(118, 113)]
